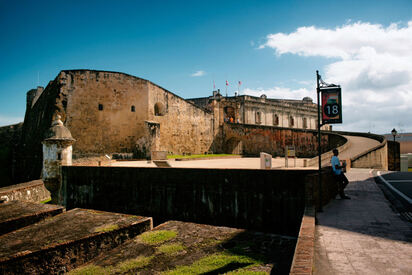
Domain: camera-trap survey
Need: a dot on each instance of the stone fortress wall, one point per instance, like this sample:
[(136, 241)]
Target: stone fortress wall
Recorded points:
[(112, 112)]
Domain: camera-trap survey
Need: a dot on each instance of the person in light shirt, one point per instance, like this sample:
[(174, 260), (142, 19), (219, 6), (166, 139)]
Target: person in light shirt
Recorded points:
[(340, 177)]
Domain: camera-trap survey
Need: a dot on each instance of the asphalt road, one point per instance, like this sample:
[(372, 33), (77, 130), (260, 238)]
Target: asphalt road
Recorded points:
[(400, 184)]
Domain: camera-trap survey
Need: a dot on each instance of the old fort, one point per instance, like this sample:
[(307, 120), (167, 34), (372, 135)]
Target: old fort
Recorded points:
[(77, 125)]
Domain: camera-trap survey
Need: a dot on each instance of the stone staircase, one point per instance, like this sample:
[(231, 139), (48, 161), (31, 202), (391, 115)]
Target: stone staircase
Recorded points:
[(45, 239)]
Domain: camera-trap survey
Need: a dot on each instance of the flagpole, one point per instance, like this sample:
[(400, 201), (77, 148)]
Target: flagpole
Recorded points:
[(227, 84)]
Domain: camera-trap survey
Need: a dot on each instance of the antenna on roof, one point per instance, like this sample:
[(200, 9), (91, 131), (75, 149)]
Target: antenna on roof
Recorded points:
[(38, 79)]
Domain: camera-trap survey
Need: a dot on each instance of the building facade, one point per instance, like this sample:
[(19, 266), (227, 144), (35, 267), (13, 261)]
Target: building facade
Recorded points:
[(300, 114)]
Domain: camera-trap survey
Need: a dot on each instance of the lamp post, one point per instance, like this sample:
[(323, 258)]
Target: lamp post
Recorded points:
[(394, 133)]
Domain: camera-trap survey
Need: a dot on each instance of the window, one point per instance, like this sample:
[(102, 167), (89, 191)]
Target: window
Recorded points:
[(291, 121), (275, 119), (305, 123), (100, 107), (59, 156), (133, 109), (159, 109), (258, 118)]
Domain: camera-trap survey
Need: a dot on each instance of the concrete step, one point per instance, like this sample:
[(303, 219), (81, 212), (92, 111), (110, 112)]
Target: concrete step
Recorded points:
[(65, 241), (18, 214)]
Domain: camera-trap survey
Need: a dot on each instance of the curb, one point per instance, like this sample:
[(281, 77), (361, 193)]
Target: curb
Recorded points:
[(304, 256)]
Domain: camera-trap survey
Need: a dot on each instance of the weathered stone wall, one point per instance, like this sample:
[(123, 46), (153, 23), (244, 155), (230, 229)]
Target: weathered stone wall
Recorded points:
[(33, 191), (117, 124), (393, 156), (253, 139), (37, 121), (265, 200), (184, 127), (9, 140)]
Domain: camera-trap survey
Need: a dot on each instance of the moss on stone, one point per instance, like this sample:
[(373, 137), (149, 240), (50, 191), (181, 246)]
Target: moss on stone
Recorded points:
[(157, 237), (170, 249), (106, 228), (218, 261), (91, 270), (131, 264)]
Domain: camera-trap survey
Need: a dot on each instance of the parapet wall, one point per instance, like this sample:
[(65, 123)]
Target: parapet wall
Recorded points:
[(377, 157), (262, 200), (252, 139), (33, 191)]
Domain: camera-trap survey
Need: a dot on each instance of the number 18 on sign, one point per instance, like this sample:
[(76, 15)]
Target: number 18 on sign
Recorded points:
[(331, 105)]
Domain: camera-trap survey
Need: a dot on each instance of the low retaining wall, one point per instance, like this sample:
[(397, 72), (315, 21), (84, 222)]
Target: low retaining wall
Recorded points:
[(248, 139), (262, 200), (32, 191)]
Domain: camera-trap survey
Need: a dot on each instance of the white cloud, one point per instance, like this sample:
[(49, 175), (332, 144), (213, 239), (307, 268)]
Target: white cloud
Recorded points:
[(8, 120), (372, 63), (198, 73)]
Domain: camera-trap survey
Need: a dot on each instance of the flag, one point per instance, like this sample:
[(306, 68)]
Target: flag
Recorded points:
[(214, 87), (240, 82), (227, 83)]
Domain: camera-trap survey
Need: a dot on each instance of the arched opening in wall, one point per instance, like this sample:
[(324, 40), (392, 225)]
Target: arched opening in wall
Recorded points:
[(234, 146), (258, 117), (305, 123), (133, 109), (100, 107), (229, 114), (291, 121), (275, 119), (159, 109)]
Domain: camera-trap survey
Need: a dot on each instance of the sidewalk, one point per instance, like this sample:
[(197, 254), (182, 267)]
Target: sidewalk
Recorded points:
[(362, 235)]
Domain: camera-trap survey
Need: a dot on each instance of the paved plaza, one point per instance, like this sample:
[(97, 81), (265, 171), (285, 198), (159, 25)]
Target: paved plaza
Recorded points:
[(231, 163), (362, 235)]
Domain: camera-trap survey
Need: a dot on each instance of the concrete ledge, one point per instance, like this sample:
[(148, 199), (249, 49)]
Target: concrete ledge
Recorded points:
[(66, 241), (305, 247), (18, 214), (33, 191)]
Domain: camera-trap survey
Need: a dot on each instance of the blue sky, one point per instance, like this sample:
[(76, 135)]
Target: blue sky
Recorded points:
[(184, 45)]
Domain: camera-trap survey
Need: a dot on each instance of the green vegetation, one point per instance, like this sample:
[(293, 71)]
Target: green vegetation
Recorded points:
[(121, 267), (90, 270), (46, 201), (219, 261), (106, 228), (171, 249), (157, 237), (132, 264), (200, 156)]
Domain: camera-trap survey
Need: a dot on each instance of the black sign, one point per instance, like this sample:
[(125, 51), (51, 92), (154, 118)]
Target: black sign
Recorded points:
[(331, 105)]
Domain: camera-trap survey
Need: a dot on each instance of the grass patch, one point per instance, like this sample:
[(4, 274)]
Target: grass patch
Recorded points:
[(219, 263), (132, 264), (106, 228), (121, 267), (200, 156), (171, 249), (46, 201), (157, 237), (90, 270)]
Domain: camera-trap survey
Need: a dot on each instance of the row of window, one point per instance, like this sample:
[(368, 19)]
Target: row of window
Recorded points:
[(159, 109), (258, 120), (132, 108)]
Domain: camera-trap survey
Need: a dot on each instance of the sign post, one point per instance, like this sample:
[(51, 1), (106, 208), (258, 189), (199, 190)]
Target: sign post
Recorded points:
[(331, 113)]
